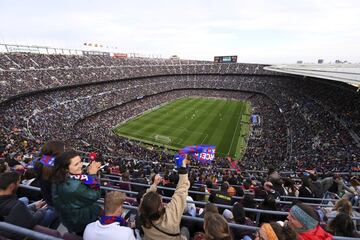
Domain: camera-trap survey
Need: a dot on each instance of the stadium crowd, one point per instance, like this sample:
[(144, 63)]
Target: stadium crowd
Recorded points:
[(222, 198), (27, 72), (309, 127)]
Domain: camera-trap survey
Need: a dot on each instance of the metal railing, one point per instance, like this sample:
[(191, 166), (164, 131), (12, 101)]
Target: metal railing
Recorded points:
[(24, 232), (217, 189), (196, 219), (234, 197), (255, 210)]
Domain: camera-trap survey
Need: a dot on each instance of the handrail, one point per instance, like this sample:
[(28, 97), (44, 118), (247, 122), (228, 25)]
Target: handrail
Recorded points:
[(214, 189), (280, 213), (231, 225), (235, 197), (247, 171), (195, 202), (11, 228), (307, 198), (147, 185)]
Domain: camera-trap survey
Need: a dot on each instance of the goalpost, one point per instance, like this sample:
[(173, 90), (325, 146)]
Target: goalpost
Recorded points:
[(162, 139)]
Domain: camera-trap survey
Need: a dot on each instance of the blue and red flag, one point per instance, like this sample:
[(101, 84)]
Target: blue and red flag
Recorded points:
[(47, 160), (203, 153)]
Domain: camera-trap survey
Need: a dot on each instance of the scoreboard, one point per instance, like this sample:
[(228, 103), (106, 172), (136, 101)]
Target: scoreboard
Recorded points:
[(225, 59)]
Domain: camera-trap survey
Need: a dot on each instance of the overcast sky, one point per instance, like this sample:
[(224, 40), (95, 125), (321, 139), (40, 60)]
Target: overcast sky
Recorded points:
[(263, 31)]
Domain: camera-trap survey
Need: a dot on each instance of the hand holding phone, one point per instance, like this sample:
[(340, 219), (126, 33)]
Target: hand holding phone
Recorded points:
[(93, 167)]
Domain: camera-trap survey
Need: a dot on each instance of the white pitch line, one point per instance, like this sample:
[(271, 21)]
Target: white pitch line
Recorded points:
[(204, 138), (232, 140)]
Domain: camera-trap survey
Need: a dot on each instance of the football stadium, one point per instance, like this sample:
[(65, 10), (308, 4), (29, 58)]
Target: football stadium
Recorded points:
[(189, 121), (101, 141)]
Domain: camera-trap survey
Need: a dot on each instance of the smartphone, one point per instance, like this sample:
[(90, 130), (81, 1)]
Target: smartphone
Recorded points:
[(105, 165)]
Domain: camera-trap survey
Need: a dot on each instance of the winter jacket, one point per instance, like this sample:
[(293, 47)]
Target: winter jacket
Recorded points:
[(170, 221), (76, 204), (14, 211), (221, 197), (326, 184), (315, 234)]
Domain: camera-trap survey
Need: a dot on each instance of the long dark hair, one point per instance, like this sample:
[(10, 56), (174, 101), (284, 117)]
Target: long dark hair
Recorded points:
[(342, 225), (52, 148), (283, 233), (239, 213), (61, 167), (150, 209)]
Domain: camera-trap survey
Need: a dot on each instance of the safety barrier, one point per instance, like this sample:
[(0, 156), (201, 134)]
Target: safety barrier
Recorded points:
[(196, 219), (254, 210), (24, 232), (234, 197)]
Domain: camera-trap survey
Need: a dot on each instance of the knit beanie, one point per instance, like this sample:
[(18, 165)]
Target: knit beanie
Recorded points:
[(304, 218)]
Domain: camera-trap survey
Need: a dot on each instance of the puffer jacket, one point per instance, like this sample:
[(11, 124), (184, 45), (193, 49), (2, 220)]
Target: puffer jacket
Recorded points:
[(76, 204), (315, 234)]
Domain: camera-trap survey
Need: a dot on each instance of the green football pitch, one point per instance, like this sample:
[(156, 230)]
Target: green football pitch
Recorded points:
[(191, 121)]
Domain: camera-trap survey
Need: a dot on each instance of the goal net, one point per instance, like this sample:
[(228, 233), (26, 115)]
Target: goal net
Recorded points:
[(162, 139)]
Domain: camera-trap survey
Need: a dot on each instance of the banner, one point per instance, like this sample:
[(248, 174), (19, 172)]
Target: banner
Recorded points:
[(202, 153)]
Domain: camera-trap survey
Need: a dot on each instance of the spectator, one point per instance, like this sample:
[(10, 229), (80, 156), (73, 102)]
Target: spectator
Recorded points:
[(75, 195), (304, 219), (278, 186), (4, 167), (221, 197), (29, 179), (334, 184), (290, 188), (232, 191), (216, 227), (125, 177), (209, 207), (307, 189), (163, 222), (14, 211), (190, 208), (44, 167), (342, 225), (274, 231), (240, 218), (344, 206), (266, 190), (228, 215), (249, 202), (269, 204), (111, 226)]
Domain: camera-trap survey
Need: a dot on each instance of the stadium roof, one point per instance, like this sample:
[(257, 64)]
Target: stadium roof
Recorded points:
[(348, 73)]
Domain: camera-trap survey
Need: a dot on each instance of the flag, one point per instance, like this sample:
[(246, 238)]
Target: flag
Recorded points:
[(202, 153), (47, 160), (233, 163)]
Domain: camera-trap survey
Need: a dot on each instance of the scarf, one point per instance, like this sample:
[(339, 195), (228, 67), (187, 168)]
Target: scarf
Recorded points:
[(202, 153), (47, 160), (104, 220), (88, 180)]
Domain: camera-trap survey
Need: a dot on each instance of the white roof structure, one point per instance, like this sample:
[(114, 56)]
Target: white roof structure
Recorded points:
[(348, 73)]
